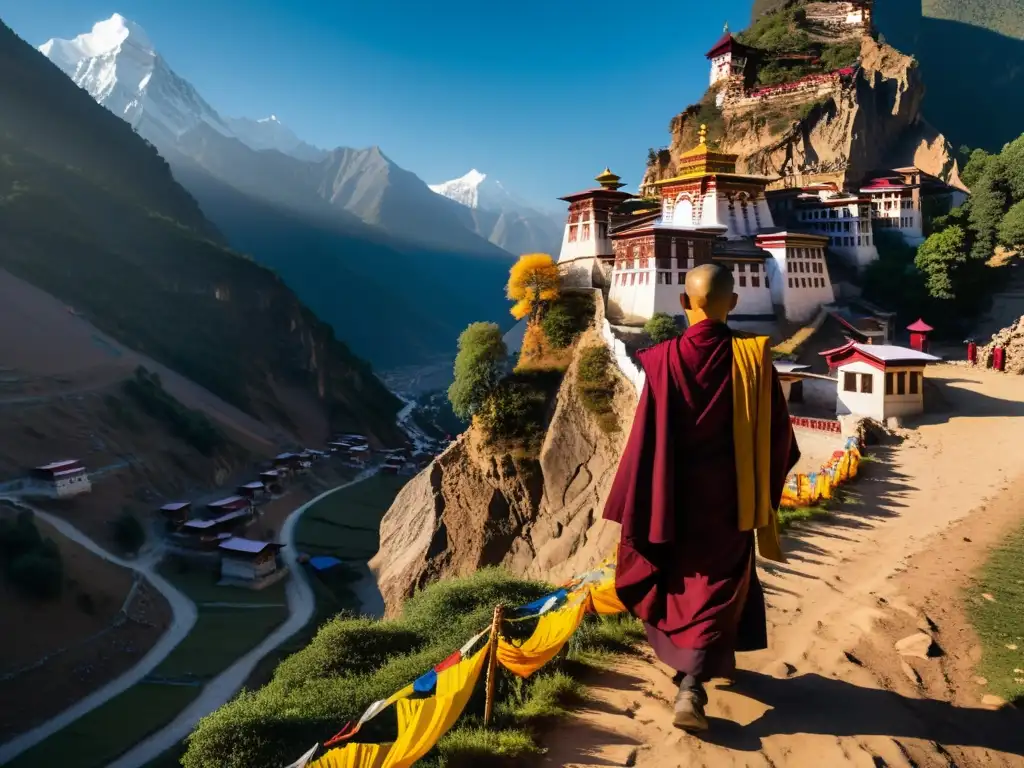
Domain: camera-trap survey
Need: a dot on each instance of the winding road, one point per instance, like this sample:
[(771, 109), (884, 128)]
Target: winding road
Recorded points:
[(183, 619), (217, 692)]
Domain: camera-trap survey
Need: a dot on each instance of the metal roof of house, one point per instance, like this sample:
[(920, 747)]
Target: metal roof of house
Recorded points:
[(248, 546), (226, 501), (53, 466), (786, 367)]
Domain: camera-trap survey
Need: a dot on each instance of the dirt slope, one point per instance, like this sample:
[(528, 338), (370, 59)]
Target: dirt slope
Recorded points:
[(831, 690)]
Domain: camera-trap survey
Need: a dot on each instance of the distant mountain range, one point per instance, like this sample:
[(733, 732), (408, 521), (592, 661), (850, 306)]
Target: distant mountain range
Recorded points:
[(504, 219), (356, 236), (93, 217)]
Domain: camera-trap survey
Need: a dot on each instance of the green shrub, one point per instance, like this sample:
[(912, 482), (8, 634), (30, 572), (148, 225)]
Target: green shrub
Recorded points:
[(559, 327), (128, 532), (596, 385), (348, 665), (778, 31), (661, 327), (479, 366), (39, 573), (568, 318), (839, 55), (473, 746), (19, 536), (32, 564), (191, 426)]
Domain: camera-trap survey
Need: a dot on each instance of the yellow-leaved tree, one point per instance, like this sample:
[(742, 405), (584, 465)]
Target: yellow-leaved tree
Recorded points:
[(533, 282)]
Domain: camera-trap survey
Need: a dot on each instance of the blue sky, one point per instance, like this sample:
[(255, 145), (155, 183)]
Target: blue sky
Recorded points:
[(541, 94)]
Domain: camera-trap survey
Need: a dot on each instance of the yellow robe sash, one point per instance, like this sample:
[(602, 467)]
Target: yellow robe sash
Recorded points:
[(751, 430)]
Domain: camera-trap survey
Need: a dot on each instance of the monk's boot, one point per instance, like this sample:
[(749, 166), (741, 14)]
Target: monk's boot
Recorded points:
[(689, 708)]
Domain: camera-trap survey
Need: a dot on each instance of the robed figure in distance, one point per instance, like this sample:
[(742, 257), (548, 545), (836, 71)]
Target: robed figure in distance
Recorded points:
[(700, 480)]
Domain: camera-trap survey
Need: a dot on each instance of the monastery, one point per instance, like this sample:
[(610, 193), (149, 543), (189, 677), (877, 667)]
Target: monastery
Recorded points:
[(774, 238), (640, 250)]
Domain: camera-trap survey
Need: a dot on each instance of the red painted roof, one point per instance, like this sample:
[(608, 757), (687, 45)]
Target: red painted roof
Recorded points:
[(876, 355), (726, 43), (920, 325)]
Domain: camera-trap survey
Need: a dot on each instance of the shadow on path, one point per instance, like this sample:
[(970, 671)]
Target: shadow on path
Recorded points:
[(812, 704)]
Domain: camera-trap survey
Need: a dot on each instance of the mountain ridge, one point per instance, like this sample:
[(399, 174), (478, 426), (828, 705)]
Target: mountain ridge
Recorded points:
[(346, 213), (134, 253)]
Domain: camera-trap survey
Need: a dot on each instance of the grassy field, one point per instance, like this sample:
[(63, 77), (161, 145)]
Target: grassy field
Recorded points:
[(346, 524), (97, 738), (999, 621), (220, 636)]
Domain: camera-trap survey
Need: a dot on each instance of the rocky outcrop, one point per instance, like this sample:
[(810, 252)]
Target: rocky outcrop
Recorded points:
[(838, 130), (538, 517), (1011, 339)]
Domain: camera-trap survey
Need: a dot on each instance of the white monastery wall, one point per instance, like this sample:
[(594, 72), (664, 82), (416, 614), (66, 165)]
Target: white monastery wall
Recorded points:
[(798, 290)]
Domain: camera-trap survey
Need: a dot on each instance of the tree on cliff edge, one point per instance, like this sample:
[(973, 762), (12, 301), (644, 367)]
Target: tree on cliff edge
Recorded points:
[(479, 367), (533, 283)]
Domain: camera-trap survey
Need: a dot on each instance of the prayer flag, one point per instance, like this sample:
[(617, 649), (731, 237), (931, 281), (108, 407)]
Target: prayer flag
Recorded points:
[(553, 631)]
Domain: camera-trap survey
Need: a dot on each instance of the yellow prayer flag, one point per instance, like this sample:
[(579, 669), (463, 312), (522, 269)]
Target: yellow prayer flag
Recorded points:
[(553, 631), (422, 722), (603, 599), (354, 756)]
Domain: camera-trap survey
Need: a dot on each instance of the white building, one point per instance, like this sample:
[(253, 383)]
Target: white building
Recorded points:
[(62, 479), (896, 206), (707, 213), (845, 219), (586, 254), (728, 58), (246, 560), (878, 381), (797, 272)]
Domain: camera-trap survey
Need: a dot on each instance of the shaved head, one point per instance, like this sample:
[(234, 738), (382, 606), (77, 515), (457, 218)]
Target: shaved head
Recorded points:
[(709, 291)]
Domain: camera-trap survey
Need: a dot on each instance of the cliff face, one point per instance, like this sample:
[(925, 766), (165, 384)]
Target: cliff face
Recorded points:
[(831, 130), (540, 517)]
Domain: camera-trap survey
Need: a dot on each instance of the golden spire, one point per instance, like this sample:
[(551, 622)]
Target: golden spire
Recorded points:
[(703, 134), (608, 180)]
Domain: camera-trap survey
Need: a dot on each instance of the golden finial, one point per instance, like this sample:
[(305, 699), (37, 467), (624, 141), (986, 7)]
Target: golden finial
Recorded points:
[(608, 180), (703, 134)]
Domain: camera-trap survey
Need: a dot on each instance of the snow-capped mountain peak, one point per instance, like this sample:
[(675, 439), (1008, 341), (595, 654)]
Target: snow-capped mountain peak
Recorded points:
[(503, 218), (106, 37), (465, 190), (118, 65)]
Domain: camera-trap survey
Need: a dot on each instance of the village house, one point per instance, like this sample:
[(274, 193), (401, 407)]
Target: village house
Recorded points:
[(206, 534), (288, 462), (176, 513), (271, 480), (61, 479), (248, 563), (229, 504), (878, 381), (252, 491)]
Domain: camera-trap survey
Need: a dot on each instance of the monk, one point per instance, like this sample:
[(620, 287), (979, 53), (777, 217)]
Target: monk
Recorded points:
[(700, 479)]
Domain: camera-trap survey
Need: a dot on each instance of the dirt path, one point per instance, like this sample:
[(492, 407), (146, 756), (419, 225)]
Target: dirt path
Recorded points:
[(216, 693), (831, 691)]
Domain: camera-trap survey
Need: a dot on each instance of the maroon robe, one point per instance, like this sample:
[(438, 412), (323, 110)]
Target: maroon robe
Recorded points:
[(684, 567)]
